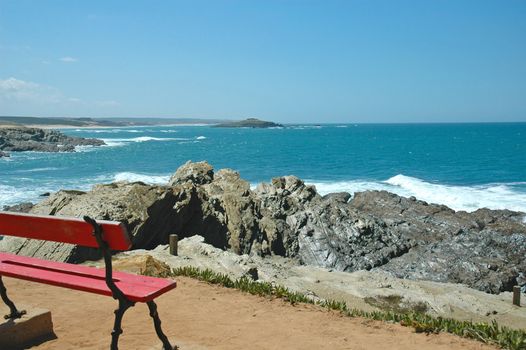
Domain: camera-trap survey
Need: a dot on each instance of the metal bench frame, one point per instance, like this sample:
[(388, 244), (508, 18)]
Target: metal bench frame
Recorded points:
[(124, 302)]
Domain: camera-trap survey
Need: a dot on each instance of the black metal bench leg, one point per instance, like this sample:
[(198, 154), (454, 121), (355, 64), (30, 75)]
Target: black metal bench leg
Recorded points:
[(13, 311), (117, 329), (157, 323)]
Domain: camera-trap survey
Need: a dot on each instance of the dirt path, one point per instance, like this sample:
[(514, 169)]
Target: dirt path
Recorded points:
[(200, 316)]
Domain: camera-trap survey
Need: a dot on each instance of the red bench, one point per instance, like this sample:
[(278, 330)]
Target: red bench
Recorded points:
[(104, 235)]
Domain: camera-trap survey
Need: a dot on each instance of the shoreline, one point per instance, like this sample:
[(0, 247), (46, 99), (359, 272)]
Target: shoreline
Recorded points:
[(323, 187), (87, 127), (366, 218)]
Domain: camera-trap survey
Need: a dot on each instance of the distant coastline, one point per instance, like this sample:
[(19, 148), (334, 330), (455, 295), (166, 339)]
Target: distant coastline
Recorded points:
[(69, 123)]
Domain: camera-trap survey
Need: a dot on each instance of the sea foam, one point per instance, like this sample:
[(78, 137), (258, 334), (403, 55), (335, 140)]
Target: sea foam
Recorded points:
[(11, 195), (148, 179), (468, 198), (122, 142)]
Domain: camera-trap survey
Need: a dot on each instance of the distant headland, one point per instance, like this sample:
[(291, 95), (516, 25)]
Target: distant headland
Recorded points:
[(249, 123)]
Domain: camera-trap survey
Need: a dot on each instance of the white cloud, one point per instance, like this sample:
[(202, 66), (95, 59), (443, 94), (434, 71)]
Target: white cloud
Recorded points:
[(17, 94), (13, 85), (68, 59), (19, 91)]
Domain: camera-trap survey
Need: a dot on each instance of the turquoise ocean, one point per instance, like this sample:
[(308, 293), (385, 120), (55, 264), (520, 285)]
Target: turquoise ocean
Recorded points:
[(464, 166)]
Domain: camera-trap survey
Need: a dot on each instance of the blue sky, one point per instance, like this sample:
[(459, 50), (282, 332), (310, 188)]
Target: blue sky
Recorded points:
[(286, 61)]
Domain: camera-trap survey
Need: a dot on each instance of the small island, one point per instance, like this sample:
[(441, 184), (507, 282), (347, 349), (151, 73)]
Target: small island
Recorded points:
[(249, 123)]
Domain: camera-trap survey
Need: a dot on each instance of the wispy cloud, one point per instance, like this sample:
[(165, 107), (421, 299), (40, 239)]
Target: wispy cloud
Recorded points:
[(68, 59), (20, 90)]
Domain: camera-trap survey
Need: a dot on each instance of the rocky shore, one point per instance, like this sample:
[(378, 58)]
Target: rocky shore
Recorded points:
[(18, 139), (380, 231)]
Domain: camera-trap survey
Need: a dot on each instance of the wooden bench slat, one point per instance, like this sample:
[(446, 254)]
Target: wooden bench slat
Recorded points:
[(63, 229), (90, 279)]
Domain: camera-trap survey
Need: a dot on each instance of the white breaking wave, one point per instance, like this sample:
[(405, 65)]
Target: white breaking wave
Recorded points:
[(85, 148), (122, 142), (104, 131), (468, 198), (148, 179), (30, 191), (35, 170), (200, 137), (11, 195), (114, 131)]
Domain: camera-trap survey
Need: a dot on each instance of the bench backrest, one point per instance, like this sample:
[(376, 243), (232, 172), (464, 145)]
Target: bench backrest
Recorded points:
[(63, 229)]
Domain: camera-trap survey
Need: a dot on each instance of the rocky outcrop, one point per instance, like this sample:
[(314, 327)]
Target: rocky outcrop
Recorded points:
[(23, 207), (375, 230), (484, 249), (15, 139), (4, 154)]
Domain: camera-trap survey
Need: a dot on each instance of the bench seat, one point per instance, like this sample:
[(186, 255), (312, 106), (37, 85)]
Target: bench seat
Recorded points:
[(85, 278)]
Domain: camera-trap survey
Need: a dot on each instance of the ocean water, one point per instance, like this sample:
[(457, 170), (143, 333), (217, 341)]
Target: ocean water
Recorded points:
[(464, 166)]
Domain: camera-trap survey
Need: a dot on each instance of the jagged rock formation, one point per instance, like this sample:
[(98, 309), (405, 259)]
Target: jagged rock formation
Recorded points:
[(484, 249), (23, 207), (375, 230), (15, 139)]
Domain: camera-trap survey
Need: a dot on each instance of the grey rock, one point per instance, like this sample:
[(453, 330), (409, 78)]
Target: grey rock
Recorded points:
[(16, 139), (24, 207), (4, 154), (484, 249), (405, 237), (199, 173), (252, 273)]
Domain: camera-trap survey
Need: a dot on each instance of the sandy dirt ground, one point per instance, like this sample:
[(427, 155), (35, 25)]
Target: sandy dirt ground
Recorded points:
[(441, 299), (197, 315)]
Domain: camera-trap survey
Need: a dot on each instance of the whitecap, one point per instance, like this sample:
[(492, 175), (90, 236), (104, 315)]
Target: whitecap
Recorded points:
[(11, 195), (85, 148), (35, 170), (467, 198), (122, 142), (149, 179), (200, 138)]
